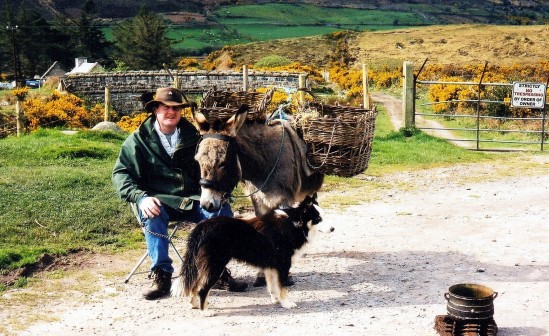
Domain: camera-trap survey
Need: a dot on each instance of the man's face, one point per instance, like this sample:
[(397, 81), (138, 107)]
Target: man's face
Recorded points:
[(168, 116)]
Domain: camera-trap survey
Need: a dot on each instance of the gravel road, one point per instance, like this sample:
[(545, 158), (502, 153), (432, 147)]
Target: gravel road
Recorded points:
[(383, 271)]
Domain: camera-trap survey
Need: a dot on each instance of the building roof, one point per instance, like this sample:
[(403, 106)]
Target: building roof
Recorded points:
[(85, 68), (55, 65)]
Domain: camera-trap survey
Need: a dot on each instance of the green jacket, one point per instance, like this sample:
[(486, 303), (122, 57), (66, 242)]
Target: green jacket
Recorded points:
[(145, 168)]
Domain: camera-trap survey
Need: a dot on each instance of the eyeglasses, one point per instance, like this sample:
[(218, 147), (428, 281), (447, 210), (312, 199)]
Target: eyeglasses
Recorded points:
[(174, 108)]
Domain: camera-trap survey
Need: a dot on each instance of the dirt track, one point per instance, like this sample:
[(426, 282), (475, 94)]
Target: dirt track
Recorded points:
[(382, 272)]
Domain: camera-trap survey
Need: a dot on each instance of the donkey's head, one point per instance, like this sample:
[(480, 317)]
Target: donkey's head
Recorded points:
[(217, 155)]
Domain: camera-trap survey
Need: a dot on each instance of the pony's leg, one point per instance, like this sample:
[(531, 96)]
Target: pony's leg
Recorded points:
[(203, 294), (213, 276), (194, 301), (273, 284), (283, 273)]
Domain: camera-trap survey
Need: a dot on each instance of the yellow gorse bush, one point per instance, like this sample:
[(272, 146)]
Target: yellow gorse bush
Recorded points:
[(20, 93), (188, 63), (461, 98), (129, 124), (61, 110)]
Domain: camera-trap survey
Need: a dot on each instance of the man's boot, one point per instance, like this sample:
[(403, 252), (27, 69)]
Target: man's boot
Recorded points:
[(227, 282), (162, 282)]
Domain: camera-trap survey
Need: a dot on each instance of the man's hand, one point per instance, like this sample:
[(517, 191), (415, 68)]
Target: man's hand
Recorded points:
[(149, 206)]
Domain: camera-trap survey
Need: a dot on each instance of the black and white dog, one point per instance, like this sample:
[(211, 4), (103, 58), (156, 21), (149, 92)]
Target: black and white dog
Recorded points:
[(268, 242)]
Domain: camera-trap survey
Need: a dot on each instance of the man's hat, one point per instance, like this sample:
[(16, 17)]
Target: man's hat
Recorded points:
[(166, 96)]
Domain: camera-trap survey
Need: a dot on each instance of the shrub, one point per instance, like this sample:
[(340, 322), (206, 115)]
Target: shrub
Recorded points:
[(20, 93), (446, 94), (188, 63), (272, 61), (60, 110), (129, 124)]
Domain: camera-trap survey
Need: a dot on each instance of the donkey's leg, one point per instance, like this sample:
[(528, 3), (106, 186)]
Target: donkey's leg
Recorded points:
[(260, 208)]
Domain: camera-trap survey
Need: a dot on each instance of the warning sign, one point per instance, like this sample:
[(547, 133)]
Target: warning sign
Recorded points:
[(531, 95)]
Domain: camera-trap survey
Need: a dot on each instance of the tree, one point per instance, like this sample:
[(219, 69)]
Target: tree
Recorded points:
[(5, 43), (61, 46), (90, 41), (40, 43), (141, 42), (31, 42)]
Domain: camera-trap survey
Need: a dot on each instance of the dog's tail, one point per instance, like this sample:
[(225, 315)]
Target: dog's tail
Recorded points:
[(193, 270)]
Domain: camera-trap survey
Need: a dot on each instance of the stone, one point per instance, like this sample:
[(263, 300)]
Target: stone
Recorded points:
[(107, 126)]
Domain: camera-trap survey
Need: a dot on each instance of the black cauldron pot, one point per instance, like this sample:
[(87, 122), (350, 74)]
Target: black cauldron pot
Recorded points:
[(470, 302)]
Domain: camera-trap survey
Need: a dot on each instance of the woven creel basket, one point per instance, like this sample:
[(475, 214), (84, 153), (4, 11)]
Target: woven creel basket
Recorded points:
[(339, 138), (218, 104)]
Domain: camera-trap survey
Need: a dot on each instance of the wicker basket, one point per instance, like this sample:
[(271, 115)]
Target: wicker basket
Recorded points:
[(224, 104), (339, 138)]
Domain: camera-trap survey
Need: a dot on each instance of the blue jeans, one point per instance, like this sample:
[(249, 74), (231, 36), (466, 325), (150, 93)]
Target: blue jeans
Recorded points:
[(158, 246)]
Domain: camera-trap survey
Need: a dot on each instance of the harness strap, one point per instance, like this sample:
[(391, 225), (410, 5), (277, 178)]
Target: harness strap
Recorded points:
[(223, 137), (212, 184), (206, 183), (272, 169)]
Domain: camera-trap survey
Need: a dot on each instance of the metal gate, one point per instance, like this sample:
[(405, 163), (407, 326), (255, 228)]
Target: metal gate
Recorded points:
[(536, 124)]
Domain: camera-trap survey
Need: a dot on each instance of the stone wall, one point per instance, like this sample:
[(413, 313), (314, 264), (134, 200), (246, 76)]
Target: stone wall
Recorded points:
[(127, 87)]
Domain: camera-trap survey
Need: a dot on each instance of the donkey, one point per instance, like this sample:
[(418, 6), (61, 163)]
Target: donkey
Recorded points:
[(268, 159)]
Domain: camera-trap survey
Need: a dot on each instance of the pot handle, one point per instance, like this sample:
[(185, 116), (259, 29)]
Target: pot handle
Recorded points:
[(447, 296), (495, 295)]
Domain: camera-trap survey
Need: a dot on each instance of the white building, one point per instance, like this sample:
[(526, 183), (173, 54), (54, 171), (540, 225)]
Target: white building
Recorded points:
[(82, 66)]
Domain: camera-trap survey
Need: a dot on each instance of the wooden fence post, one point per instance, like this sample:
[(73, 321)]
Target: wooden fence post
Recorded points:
[(177, 82), (365, 92), (302, 85), (106, 116), (244, 78), (408, 98), (19, 117)]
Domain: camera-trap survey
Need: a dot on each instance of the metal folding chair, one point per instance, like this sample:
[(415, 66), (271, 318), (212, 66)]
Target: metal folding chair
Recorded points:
[(176, 227)]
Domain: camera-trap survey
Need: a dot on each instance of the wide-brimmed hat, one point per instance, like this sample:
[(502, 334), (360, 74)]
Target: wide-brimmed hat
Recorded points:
[(166, 96)]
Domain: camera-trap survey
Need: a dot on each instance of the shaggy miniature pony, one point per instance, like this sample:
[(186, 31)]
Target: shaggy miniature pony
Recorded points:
[(268, 242)]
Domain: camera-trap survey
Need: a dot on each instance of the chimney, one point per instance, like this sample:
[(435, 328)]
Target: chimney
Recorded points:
[(79, 61)]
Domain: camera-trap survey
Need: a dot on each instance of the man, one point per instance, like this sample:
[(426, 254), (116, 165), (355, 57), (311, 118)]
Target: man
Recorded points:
[(157, 172)]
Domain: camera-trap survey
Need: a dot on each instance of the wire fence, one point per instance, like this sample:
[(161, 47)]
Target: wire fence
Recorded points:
[(484, 119)]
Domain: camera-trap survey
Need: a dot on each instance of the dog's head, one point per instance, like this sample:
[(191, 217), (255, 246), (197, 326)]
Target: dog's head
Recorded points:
[(310, 215)]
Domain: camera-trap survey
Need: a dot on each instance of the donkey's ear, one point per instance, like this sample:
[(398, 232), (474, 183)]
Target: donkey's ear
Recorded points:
[(201, 122), (237, 120)]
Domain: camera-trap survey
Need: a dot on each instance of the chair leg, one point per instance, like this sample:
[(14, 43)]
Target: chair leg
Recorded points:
[(134, 270), (171, 242), (137, 266)]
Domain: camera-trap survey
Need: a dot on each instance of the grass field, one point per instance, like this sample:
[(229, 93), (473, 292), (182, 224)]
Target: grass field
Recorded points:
[(307, 15), (253, 23), (56, 196)]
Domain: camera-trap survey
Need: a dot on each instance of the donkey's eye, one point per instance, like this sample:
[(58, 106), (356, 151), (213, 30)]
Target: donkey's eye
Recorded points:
[(221, 166)]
